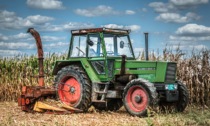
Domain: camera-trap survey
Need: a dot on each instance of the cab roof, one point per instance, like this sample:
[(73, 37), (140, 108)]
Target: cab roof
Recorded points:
[(95, 30)]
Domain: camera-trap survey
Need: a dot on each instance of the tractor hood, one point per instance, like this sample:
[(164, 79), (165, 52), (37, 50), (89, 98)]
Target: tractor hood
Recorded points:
[(153, 71)]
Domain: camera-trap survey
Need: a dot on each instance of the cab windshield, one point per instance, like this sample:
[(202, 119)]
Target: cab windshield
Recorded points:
[(117, 45)]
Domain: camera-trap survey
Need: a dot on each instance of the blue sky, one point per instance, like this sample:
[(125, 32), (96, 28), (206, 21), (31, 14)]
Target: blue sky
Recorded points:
[(169, 22)]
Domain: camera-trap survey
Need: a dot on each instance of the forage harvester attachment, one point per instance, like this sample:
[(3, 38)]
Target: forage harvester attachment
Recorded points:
[(36, 36), (32, 97)]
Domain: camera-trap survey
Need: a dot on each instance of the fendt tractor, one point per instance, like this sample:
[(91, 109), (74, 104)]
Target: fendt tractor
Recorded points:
[(101, 70)]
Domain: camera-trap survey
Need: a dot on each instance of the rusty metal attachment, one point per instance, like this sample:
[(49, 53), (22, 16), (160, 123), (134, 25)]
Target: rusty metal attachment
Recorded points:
[(31, 94), (36, 36), (32, 97)]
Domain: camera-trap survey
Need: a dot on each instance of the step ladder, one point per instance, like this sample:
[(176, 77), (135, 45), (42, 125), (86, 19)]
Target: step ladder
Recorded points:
[(102, 92)]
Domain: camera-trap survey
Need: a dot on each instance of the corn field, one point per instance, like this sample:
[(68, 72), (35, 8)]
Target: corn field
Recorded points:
[(194, 71), (23, 70)]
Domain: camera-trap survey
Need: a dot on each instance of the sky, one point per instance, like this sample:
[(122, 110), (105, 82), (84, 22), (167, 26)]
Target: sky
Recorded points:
[(170, 23)]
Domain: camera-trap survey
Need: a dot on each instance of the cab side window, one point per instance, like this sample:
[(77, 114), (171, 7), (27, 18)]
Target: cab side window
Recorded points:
[(78, 46)]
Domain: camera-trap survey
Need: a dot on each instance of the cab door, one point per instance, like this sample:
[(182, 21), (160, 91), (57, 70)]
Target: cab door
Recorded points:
[(96, 55)]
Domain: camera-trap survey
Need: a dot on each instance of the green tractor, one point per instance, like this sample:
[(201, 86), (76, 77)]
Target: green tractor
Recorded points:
[(101, 70)]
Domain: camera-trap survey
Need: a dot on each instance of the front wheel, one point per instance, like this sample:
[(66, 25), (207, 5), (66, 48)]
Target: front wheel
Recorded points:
[(138, 96), (183, 97), (178, 106)]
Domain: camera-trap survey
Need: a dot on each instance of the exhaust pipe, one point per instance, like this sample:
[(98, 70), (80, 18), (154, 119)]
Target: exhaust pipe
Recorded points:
[(146, 46), (36, 36)]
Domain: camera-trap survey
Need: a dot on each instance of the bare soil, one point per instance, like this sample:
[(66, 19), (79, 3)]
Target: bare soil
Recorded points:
[(11, 115)]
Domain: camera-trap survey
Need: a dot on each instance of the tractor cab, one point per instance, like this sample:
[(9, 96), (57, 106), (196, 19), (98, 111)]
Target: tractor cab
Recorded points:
[(101, 46), (100, 43)]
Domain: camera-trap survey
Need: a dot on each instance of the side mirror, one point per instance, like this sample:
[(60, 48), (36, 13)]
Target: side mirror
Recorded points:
[(122, 44), (90, 42)]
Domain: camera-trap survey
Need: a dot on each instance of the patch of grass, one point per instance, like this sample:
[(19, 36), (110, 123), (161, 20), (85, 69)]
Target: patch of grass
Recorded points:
[(200, 116)]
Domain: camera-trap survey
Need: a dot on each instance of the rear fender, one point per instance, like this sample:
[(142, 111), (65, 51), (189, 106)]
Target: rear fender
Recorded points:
[(84, 63), (60, 64)]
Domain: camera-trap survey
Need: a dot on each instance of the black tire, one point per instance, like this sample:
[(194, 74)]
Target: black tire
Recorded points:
[(73, 87), (183, 97), (138, 96), (178, 106), (112, 105)]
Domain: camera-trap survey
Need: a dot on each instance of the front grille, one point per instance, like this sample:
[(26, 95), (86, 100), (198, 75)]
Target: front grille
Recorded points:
[(170, 72)]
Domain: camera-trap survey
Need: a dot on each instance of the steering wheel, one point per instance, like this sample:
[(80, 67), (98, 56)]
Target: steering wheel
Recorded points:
[(80, 50)]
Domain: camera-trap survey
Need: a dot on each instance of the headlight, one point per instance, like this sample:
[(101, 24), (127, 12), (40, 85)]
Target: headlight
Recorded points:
[(171, 86)]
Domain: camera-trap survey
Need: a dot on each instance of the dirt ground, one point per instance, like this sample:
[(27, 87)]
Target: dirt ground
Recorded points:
[(11, 115)]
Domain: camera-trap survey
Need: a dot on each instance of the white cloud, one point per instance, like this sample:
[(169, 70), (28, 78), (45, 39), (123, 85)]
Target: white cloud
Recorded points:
[(51, 38), (9, 20), (16, 45), (7, 53), (171, 11), (192, 16), (161, 7), (67, 26), (3, 37), (132, 27), (181, 38), (16, 37), (46, 38), (20, 36), (130, 12), (6, 16), (100, 10), (113, 26), (189, 47), (13, 45), (193, 30), (191, 33), (57, 44), (199, 47), (76, 25), (189, 38), (175, 5), (144, 9), (188, 2), (177, 18), (172, 17), (45, 4), (27, 37), (38, 19)]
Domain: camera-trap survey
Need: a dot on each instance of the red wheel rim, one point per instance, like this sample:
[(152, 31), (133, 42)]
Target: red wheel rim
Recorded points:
[(69, 91), (137, 99)]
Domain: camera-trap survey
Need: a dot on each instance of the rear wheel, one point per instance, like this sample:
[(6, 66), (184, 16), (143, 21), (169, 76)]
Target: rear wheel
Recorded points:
[(138, 96), (73, 87)]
